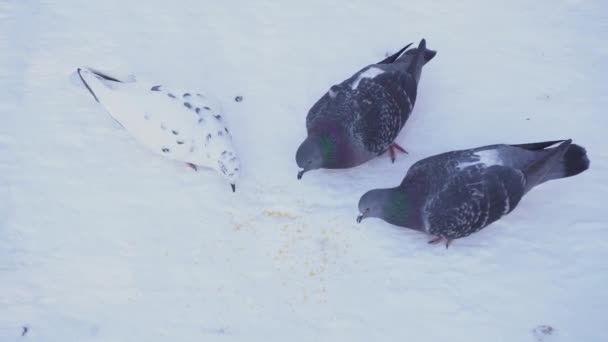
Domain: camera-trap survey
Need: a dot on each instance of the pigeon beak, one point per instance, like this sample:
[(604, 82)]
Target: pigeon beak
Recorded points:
[(359, 218), (233, 187), (300, 173)]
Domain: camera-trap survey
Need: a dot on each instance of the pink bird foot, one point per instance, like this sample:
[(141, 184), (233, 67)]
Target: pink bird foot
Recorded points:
[(391, 150)]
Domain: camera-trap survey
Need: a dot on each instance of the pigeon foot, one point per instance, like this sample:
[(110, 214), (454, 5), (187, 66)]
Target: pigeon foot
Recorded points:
[(391, 150)]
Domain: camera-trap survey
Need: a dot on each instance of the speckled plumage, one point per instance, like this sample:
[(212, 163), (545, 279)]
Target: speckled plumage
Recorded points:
[(363, 115), (455, 194), (373, 113), (175, 124)]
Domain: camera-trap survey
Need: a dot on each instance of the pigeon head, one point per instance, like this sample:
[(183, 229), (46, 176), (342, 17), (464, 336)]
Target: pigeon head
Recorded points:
[(316, 152), (387, 204)]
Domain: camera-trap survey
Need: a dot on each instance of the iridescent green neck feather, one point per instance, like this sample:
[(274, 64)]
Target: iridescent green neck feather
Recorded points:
[(328, 149), (396, 208)]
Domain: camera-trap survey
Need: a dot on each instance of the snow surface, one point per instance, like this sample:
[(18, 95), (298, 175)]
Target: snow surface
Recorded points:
[(101, 240)]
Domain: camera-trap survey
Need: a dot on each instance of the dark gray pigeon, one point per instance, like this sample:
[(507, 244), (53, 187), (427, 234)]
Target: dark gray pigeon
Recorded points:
[(455, 194), (360, 118)]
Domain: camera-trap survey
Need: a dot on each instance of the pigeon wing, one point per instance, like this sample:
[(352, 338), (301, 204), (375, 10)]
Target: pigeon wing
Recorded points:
[(385, 103), (473, 198)]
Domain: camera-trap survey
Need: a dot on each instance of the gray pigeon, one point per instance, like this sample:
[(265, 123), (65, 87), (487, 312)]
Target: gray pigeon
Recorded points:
[(455, 194), (360, 118)]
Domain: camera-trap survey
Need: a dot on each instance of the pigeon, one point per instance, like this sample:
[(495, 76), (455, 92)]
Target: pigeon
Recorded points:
[(359, 119), (455, 194), (183, 126)]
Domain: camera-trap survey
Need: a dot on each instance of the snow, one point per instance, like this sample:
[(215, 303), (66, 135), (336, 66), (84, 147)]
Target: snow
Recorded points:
[(101, 240)]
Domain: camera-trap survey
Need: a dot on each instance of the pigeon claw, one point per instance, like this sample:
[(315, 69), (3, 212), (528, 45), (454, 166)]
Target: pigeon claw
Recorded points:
[(439, 239), (391, 150), (435, 240), (447, 243), (359, 218), (396, 146), (233, 187), (192, 166), (300, 173)]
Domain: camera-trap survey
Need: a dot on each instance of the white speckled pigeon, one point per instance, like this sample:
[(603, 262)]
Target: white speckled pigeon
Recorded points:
[(182, 126), (360, 118), (455, 194)]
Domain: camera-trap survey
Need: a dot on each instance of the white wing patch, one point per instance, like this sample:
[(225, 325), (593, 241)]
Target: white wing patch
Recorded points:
[(369, 73), (486, 157), (507, 206)]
